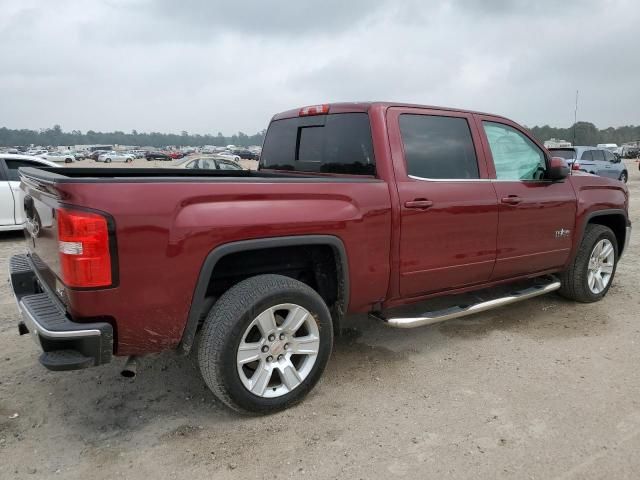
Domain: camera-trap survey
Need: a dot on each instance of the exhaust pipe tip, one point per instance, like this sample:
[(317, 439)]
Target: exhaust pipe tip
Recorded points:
[(130, 368)]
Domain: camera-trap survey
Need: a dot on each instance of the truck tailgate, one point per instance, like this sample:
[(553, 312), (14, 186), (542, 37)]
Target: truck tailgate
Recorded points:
[(41, 230)]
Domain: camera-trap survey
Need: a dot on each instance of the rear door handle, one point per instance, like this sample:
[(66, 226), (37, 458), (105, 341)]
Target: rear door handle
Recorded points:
[(511, 200), (419, 203)]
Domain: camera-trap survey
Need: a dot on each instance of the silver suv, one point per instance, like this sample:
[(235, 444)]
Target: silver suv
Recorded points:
[(598, 161)]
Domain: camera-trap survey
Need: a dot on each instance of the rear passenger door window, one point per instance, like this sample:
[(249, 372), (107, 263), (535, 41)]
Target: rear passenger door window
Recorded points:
[(598, 155), (515, 156), (226, 165), (587, 155), (438, 148), (207, 164)]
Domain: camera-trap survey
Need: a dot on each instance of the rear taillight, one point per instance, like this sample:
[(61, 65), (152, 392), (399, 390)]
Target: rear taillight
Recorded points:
[(83, 243), (314, 110), (575, 165)]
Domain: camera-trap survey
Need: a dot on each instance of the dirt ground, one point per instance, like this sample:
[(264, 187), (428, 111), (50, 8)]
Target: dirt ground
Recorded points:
[(538, 390)]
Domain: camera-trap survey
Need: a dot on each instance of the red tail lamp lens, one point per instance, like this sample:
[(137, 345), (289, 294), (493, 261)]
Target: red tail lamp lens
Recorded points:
[(83, 245)]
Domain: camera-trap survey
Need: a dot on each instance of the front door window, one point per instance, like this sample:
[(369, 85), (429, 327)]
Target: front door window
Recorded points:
[(514, 155)]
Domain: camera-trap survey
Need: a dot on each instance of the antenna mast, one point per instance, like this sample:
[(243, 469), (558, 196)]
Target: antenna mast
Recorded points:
[(575, 119)]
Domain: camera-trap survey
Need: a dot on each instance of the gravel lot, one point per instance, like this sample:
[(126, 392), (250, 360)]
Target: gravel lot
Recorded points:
[(541, 389)]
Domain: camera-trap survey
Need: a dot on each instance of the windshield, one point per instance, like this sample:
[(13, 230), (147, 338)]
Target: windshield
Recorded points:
[(566, 153), (337, 143)]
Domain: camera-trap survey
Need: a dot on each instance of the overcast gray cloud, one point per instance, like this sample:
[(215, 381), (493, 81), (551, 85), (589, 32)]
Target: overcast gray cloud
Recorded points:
[(208, 66)]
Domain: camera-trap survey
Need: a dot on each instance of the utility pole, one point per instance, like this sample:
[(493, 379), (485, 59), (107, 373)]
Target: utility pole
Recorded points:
[(575, 119)]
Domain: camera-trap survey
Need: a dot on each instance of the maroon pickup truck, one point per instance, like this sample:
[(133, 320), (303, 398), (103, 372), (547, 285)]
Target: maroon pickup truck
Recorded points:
[(379, 208)]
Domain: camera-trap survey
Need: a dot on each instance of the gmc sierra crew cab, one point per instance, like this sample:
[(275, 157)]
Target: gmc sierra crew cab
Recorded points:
[(408, 213)]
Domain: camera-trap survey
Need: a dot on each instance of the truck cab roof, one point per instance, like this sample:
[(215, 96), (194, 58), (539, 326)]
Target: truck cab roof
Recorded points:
[(350, 107)]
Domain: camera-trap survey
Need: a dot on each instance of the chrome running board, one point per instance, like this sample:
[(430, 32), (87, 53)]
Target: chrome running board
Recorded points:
[(458, 311)]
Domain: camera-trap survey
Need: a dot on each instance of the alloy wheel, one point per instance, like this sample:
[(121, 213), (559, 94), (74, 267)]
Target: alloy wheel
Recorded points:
[(601, 264), (278, 350)]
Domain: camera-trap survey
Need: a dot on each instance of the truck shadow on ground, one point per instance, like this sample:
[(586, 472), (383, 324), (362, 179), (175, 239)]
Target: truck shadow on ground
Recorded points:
[(98, 404)]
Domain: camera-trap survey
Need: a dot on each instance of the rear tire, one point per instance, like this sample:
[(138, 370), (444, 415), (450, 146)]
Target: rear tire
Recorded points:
[(576, 278), (108, 160), (230, 323), (624, 177)]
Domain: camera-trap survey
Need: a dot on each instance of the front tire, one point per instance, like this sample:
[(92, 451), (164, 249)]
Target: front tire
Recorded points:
[(265, 344), (591, 273), (623, 177)]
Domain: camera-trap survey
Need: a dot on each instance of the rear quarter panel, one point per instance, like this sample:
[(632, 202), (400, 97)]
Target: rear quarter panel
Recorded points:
[(166, 230)]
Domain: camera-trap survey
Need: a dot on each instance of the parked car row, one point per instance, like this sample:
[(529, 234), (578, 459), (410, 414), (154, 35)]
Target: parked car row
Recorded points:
[(12, 197), (208, 163)]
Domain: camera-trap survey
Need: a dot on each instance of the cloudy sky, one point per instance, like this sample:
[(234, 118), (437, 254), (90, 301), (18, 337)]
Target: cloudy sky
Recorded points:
[(206, 66)]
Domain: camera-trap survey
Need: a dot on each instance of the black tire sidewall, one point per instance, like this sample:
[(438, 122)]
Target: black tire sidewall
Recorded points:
[(226, 357)]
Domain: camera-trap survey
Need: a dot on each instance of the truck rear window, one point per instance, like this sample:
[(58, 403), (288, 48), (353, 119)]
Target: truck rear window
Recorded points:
[(335, 143)]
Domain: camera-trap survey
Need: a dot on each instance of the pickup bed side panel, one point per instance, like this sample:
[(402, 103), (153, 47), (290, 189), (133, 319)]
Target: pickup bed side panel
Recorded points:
[(166, 230)]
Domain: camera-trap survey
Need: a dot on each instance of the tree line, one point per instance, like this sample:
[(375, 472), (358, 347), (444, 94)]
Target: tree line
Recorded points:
[(586, 133), (581, 133), (56, 137)]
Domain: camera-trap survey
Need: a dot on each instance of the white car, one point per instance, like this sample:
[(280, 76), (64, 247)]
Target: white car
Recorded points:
[(112, 156), (59, 157), (12, 215), (229, 156), (37, 152)]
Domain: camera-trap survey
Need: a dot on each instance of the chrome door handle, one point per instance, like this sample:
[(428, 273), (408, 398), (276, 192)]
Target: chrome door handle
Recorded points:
[(511, 200), (419, 203)]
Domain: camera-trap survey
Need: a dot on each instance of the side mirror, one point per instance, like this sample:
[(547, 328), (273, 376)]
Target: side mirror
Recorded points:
[(558, 168)]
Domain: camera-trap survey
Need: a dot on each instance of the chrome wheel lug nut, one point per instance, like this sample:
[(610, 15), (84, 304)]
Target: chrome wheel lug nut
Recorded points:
[(265, 349), (269, 358), (280, 357), (282, 336), (272, 337), (286, 346)]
